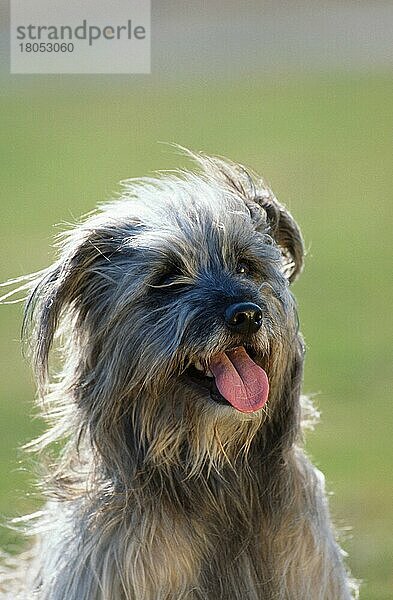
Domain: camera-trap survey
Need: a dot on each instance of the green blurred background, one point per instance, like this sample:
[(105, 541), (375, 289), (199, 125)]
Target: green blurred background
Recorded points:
[(323, 140)]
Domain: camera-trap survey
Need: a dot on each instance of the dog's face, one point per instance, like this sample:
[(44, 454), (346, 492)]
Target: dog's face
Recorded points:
[(182, 331)]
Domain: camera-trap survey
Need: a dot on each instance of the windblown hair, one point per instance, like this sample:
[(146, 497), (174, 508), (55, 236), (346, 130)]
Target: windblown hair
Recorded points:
[(156, 491)]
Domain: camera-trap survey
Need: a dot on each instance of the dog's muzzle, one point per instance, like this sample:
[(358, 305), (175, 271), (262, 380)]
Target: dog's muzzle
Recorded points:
[(243, 317)]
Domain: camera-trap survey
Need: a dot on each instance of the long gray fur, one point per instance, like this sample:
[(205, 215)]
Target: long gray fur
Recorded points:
[(155, 491)]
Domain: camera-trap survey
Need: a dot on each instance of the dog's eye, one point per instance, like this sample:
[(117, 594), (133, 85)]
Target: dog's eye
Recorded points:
[(243, 268), (168, 277)]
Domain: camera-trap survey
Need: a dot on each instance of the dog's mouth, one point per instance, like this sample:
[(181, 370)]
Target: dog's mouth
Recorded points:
[(233, 378)]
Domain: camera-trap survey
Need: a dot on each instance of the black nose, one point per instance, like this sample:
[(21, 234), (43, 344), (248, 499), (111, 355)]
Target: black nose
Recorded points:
[(244, 317)]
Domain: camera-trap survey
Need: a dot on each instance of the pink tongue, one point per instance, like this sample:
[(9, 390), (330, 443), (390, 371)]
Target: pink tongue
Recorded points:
[(242, 382)]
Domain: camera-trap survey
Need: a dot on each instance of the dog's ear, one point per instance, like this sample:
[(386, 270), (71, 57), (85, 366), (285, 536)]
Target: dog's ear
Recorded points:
[(93, 257), (267, 214), (283, 229)]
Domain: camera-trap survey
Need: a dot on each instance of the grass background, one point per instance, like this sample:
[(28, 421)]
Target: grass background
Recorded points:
[(324, 144)]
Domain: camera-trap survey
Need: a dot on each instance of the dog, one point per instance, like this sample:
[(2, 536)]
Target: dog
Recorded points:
[(174, 403)]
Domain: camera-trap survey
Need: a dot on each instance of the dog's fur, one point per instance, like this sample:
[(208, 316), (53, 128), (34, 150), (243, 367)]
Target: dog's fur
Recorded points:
[(157, 492)]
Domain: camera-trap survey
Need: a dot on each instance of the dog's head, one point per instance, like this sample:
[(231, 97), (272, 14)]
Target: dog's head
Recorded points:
[(180, 333)]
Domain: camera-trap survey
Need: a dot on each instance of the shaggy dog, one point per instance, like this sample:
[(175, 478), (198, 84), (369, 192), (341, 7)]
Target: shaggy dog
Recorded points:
[(174, 403)]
